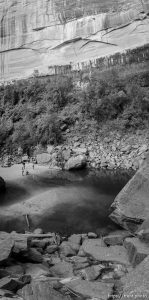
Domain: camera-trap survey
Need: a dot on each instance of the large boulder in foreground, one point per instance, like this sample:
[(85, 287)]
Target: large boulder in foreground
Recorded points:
[(2, 184), (132, 203), (77, 162)]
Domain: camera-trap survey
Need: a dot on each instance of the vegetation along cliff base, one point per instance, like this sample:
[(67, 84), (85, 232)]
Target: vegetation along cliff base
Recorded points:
[(104, 113)]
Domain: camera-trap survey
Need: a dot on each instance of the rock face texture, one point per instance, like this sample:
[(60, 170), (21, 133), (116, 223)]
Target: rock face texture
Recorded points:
[(132, 205), (37, 35)]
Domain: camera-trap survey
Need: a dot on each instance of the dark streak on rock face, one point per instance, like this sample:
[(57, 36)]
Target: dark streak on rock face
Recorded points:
[(38, 28), (2, 185)]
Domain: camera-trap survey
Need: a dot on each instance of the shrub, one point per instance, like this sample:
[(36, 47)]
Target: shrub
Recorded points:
[(32, 111)]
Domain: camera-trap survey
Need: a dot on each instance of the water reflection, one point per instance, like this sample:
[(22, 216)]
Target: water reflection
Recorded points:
[(84, 200)]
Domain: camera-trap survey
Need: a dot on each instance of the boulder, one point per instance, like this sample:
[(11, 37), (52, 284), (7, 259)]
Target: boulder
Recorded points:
[(41, 289), (91, 273), (92, 235), (77, 162), (2, 185), (90, 290), (36, 270), (143, 231), (15, 270), (62, 269), (6, 246), (43, 158), (135, 285), (66, 154), (51, 249), (11, 284), (38, 231), (80, 262), (50, 149), (75, 239), (116, 238), (99, 252), (34, 255), (132, 205), (20, 242), (137, 250), (66, 249), (40, 243)]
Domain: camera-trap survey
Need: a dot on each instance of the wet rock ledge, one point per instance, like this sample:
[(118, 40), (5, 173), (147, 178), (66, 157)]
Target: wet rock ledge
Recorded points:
[(82, 266)]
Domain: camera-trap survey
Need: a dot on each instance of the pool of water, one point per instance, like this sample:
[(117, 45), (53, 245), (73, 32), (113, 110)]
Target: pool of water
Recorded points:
[(81, 200)]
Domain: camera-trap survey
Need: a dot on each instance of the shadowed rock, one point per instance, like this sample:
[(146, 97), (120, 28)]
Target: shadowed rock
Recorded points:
[(77, 162), (96, 290), (132, 205), (41, 290), (137, 250)]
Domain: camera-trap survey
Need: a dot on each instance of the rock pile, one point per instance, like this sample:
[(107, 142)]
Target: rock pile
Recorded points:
[(97, 151), (91, 149), (82, 266)]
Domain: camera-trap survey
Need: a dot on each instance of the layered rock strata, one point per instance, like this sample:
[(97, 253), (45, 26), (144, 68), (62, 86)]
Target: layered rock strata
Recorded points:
[(36, 35)]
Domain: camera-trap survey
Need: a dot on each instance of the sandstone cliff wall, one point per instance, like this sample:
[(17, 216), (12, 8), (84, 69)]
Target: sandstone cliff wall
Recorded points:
[(137, 55), (35, 35)]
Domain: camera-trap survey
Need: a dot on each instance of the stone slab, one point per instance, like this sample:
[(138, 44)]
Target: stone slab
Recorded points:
[(95, 249)]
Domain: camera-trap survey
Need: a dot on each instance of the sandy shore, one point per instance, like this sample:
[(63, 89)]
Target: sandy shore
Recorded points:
[(27, 184), (37, 198), (14, 173)]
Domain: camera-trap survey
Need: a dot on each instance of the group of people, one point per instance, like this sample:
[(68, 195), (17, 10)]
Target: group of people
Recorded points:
[(24, 170)]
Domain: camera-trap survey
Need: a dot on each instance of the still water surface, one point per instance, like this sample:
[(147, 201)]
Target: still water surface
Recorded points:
[(83, 199)]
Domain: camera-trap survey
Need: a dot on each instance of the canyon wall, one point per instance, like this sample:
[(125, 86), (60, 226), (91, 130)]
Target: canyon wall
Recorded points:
[(36, 35)]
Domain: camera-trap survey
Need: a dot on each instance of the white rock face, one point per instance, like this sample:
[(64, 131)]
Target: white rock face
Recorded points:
[(39, 34)]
